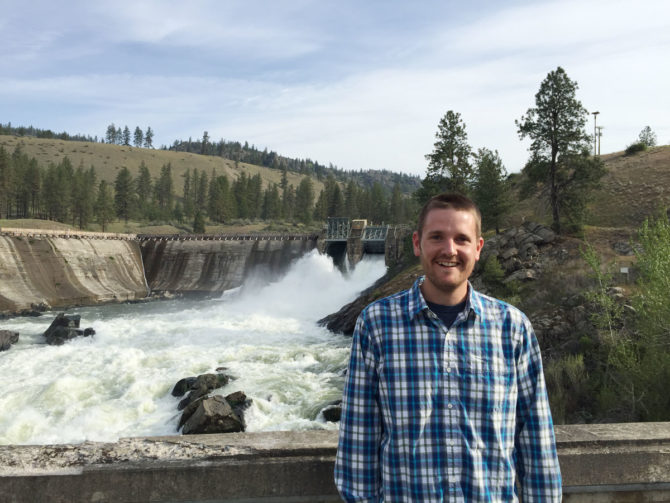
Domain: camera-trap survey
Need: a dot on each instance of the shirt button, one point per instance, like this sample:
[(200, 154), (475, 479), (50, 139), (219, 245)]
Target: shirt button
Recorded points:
[(449, 406), (448, 369)]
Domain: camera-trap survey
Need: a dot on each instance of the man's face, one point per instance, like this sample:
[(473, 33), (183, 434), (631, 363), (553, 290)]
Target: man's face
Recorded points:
[(448, 249)]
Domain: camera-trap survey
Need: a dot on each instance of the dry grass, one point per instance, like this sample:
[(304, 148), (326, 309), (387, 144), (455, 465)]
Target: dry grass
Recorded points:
[(634, 188), (107, 159)]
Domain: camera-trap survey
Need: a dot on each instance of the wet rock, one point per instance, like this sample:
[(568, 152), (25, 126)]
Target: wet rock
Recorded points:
[(213, 415), (203, 385), (7, 338), (183, 385), (65, 327), (333, 411)]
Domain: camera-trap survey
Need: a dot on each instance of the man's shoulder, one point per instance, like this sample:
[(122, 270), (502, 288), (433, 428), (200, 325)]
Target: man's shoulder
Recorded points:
[(492, 307), (399, 300)]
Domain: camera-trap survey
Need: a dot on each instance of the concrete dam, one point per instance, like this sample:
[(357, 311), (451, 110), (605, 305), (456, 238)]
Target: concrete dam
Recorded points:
[(43, 269)]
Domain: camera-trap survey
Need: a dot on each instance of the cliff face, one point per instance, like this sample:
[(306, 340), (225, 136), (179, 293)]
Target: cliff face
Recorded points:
[(215, 266), (65, 272)]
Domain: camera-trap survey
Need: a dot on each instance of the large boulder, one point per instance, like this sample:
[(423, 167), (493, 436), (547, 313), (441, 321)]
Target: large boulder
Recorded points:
[(7, 338), (65, 327), (198, 387), (213, 415)]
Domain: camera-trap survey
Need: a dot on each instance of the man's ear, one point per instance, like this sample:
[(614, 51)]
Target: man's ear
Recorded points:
[(416, 241), (480, 245)]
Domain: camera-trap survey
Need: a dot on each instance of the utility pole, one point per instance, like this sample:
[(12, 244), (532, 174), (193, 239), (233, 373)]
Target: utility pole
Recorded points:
[(595, 134), (600, 134)]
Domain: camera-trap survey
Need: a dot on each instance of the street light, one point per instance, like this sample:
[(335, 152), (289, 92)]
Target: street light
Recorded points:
[(595, 133)]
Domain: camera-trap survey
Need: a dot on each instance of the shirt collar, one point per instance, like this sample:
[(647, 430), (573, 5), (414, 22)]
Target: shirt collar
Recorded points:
[(417, 303)]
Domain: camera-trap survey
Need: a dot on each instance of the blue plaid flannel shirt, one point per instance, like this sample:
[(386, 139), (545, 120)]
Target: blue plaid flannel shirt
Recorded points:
[(433, 414)]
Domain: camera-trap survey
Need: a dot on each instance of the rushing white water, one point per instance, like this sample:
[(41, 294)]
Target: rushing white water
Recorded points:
[(118, 383)]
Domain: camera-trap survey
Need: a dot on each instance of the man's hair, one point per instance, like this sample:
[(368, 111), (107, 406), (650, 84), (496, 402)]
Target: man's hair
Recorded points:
[(454, 201)]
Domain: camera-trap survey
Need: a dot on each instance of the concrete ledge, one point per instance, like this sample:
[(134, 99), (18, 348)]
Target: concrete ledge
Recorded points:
[(620, 462)]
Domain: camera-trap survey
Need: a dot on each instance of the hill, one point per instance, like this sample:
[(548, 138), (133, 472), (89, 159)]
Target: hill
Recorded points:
[(107, 159), (635, 187)]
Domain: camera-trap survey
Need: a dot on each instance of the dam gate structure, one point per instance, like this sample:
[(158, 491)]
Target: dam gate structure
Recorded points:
[(347, 239)]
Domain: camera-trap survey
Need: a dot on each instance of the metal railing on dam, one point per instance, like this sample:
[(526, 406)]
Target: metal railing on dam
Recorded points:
[(628, 462), (75, 234)]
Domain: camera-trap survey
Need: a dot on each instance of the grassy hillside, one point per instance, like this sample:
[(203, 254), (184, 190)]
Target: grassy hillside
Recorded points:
[(107, 159), (634, 188)]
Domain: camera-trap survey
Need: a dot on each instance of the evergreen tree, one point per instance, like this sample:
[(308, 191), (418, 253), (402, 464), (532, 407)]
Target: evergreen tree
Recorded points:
[(559, 141), (241, 193), (396, 206), (144, 190), (321, 206), (83, 196), (164, 191), (104, 205), (188, 198), (351, 200), (124, 194), (378, 205), (149, 138), (118, 137), (110, 134), (288, 203), (271, 203), (204, 146), (198, 223), (304, 199), (647, 137), (255, 195), (126, 136), (492, 191), (201, 195), (5, 181), (138, 137), (449, 167)]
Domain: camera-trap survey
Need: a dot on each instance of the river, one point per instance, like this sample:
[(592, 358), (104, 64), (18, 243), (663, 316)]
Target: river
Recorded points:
[(118, 382)]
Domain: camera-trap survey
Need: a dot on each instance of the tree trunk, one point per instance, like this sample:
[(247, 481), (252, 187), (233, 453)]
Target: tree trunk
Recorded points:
[(556, 225)]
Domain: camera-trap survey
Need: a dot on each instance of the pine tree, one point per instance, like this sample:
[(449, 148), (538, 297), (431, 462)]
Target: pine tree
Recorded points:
[(164, 191), (138, 137), (304, 199), (149, 138), (188, 198), (104, 205), (144, 190), (449, 167), (124, 195), (492, 191), (560, 147), (126, 136)]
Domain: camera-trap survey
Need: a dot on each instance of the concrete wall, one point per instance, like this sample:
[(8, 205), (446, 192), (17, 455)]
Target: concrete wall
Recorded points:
[(600, 463), (206, 266), (60, 271)]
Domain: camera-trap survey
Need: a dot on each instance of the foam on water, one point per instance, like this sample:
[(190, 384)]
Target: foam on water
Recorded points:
[(118, 383)]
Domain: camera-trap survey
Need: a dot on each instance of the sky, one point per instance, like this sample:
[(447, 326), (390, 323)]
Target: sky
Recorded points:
[(359, 84)]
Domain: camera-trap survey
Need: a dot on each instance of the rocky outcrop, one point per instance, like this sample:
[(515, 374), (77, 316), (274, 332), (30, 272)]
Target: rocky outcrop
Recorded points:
[(58, 272), (65, 327), (209, 414), (216, 265), (7, 338)]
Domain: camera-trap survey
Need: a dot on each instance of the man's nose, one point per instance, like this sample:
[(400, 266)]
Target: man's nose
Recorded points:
[(449, 247)]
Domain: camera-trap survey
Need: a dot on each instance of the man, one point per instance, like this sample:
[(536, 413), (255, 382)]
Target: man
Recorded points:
[(445, 397)]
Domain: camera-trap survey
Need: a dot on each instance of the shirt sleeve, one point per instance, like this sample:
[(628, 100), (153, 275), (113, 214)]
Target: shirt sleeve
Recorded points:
[(357, 466), (538, 469)]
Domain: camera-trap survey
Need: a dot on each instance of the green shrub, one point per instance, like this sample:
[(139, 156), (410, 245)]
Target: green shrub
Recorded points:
[(635, 148)]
